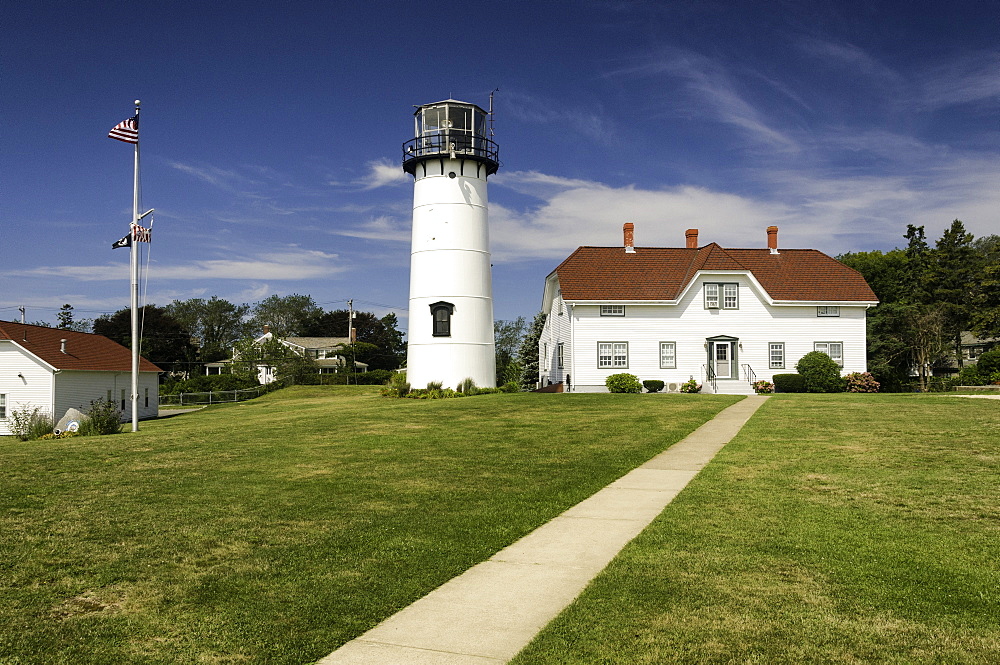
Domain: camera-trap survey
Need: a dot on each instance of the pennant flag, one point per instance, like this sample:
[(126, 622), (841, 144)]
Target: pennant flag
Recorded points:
[(124, 242), (126, 130), (140, 234)]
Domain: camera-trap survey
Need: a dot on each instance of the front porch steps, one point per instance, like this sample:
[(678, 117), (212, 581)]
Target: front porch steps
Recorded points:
[(734, 387)]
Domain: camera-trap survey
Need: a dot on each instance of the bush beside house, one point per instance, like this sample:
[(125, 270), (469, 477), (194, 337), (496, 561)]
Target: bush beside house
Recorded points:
[(623, 383)]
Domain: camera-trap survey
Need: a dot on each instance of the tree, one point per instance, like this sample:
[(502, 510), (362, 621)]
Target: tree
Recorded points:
[(527, 353), (215, 323), (889, 346), (985, 310), (290, 368), (65, 317), (286, 316), (507, 341), (952, 273), (66, 322), (163, 340)]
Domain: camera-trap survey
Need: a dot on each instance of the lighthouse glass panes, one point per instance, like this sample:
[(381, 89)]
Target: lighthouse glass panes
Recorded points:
[(451, 127)]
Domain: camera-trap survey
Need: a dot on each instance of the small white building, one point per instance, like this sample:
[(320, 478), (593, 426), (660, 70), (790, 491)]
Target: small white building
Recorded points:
[(56, 370), (724, 317)]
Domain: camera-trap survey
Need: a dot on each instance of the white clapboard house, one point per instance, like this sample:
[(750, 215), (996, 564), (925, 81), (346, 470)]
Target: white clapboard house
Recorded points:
[(326, 353), (724, 317), (56, 370)]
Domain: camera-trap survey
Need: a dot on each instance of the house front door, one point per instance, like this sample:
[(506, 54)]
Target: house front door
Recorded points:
[(722, 360)]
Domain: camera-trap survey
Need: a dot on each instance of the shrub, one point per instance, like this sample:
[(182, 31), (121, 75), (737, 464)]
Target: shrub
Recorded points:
[(28, 423), (653, 385), (374, 377), (623, 383), (691, 386), (988, 363), (861, 382), (970, 376), (208, 383), (103, 417), (821, 373), (434, 385), (467, 386), (763, 387), (511, 387), (789, 383), (396, 386)]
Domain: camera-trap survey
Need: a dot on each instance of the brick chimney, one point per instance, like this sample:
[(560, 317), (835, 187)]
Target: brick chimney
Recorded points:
[(772, 239), (629, 232), (692, 238)]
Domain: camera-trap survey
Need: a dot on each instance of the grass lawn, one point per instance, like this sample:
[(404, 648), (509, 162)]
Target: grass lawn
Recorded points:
[(832, 529), (274, 530)]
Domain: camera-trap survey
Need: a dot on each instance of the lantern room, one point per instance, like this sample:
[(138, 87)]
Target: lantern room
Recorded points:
[(451, 129)]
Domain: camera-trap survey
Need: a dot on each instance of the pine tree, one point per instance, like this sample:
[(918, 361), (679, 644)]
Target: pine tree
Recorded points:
[(527, 353)]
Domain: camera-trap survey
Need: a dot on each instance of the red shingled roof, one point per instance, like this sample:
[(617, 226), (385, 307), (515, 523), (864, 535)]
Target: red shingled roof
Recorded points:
[(662, 273), (84, 351)]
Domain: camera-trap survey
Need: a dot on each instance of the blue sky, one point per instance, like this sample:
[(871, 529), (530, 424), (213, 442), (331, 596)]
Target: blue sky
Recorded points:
[(271, 136)]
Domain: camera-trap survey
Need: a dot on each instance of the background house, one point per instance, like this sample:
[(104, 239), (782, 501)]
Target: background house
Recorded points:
[(325, 352), (724, 317), (57, 369)]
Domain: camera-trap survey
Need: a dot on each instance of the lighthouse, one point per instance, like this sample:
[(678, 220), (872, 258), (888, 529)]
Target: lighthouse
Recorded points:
[(450, 332)]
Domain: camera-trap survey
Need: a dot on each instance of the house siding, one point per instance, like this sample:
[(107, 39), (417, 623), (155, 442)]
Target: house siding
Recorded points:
[(77, 389), (755, 324), (555, 330), (35, 389)]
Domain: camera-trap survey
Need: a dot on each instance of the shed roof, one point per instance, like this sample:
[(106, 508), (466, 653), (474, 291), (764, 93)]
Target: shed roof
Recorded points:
[(84, 351)]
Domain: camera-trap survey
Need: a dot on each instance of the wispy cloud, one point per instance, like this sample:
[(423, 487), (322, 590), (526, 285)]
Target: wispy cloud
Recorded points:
[(290, 263), (378, 228), (967, 79), (228, 180), (382, 173), (707, 89), (591, 123)]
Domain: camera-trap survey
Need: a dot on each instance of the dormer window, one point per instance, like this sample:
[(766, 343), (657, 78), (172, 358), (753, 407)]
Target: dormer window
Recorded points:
[(722, 296), (441, 315)]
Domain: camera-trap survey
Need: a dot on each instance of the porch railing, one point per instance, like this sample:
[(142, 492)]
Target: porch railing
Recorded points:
[(748, 374), (710, 377)]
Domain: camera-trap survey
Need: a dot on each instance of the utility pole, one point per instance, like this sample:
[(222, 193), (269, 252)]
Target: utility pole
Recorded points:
[(350, 334)]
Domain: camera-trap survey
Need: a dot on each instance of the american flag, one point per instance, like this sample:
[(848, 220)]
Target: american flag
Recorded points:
[(126, 130), (140, 234)]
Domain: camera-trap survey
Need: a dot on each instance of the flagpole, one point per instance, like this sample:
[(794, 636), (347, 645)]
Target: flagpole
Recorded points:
[(134, 265)]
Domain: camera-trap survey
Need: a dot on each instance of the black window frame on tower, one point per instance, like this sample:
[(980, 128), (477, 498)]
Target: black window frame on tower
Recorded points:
[(441, 313)]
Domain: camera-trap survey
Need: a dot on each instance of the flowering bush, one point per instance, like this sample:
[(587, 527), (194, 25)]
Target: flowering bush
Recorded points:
[(763, 387), (861, 382), (691, 386)]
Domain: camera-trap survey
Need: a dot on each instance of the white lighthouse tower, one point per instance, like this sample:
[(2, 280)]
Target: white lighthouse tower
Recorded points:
[(450, 336)]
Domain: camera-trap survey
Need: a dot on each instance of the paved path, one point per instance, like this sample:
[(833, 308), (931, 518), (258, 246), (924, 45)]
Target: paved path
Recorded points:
[(486, 615)]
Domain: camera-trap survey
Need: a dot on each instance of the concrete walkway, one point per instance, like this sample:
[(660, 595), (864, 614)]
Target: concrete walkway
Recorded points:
[(489, 613)]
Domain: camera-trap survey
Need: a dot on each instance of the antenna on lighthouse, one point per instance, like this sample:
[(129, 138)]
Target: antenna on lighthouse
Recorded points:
[(496, 90)]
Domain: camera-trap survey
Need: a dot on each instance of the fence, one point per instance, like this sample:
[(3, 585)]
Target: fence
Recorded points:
[(211, 397)]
